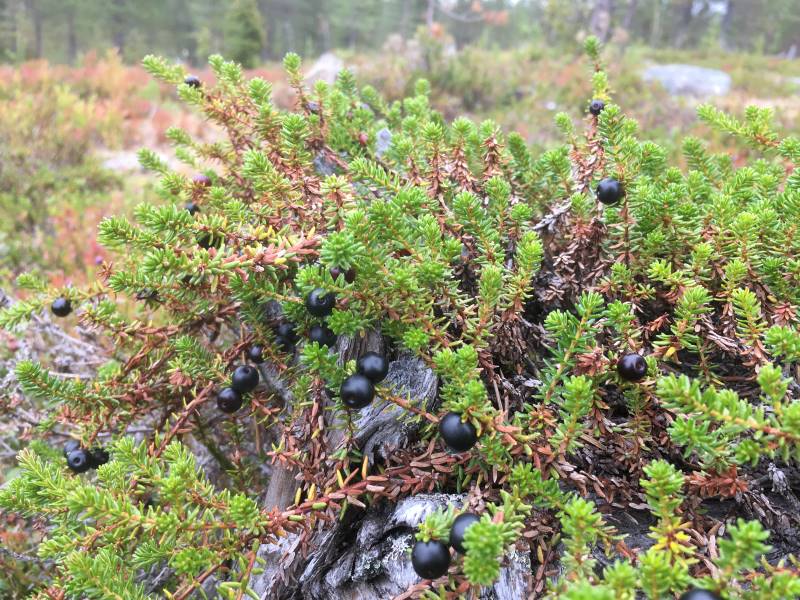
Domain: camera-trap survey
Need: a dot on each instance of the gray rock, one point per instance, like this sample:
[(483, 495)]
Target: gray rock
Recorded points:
[(128, 161), (383, 141), (326, 68), (324, 166), (689, 80)]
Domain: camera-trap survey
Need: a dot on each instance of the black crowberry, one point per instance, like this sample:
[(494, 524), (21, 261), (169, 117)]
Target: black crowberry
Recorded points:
[(320, 303), (596, 107), (244, 379), (202, 180), (192, 80), (632, 367), (459, 436), (147, 294), (610, 191), (61, 307), (698, 594), (79, 461), (70, 446), (357, 391), (256, 353), (322, 334), (373, 366), (459, 528), (97, 457), (229, 400), (284, 344), (430, 559), (349, 274), (286, 336), (286, 331), (191, 208)]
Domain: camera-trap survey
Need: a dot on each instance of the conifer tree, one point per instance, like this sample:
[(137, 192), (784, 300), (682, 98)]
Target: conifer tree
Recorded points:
[(244, 32)]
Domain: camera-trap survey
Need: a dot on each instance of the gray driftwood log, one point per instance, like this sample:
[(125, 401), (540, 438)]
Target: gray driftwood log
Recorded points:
[(366, 555)]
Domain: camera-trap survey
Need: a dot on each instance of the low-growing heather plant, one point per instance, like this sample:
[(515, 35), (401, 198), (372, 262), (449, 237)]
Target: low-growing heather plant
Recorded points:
[(639, 353)]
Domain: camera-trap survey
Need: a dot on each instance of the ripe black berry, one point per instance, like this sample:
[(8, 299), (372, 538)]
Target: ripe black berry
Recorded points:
[(256, 353), (459, 528), (610, 191), (244, 379), (357, 391), (632, 367), (459, 436), (229, 400), (202, 180), (193, 81), (61, 307), (596, 107), (286, 331), (430, 559), (97, 457), (286, 336), (373, 366), (284, 344), (349, 274), (147, 294), (78, 461), (70, 446), (698, 594), (321, 334), (192, 208), (320, 303)]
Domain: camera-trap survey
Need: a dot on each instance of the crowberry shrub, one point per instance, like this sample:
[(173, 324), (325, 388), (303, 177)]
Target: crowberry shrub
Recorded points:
[(497, 270)]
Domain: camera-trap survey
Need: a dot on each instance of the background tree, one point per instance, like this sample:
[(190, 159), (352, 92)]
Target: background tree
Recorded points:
[(244, 32)]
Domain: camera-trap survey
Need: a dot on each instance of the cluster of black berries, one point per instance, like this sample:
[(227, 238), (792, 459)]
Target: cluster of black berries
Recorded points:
[(244, 380), (80, 460), (286, 336), (358, 390), (320, 304), (432, 559), (349, 274)]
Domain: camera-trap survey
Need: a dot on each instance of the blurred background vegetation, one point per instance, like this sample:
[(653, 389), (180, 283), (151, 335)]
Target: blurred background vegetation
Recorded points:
[(75, 105), (253, 31)]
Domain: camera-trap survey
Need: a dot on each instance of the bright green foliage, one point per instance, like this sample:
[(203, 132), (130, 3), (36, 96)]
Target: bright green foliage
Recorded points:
[(494, 267)]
